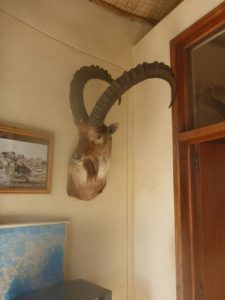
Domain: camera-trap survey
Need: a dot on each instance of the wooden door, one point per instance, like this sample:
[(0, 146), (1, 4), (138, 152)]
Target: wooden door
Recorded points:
[(211, 221), (199, 161)]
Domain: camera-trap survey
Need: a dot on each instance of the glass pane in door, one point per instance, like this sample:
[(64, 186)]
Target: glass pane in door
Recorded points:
[(207, 81)]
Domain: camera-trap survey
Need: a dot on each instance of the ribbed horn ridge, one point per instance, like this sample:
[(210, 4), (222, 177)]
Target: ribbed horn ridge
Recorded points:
[(77, 84), (126, 81)]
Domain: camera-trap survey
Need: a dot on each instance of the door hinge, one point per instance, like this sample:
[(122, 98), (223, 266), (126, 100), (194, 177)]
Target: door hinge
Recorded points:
[(196, 162)]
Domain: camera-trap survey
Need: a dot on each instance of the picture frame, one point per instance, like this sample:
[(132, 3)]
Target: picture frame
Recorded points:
[(42, 252), (25, 161)]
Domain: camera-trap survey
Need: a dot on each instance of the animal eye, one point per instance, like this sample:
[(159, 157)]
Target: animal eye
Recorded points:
[(76, 157)]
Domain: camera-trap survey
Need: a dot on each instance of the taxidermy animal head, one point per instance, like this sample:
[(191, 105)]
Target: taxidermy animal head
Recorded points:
[(90, 160)]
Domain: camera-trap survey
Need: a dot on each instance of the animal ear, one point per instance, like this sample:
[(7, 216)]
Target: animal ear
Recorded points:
[(113, 128)]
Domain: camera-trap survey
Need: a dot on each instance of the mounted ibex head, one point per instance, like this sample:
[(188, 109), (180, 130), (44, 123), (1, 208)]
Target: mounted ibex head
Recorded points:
[(89, 162)]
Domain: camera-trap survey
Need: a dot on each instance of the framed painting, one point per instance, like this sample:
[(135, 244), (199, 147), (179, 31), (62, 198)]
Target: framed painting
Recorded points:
[(32, 257), (25, 161)]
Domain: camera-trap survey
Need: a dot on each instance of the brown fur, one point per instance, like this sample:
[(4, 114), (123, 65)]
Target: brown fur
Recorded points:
[(89, 162)]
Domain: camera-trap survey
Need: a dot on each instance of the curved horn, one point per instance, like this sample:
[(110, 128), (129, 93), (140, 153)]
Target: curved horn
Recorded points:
[(80, 78), (126, 81)]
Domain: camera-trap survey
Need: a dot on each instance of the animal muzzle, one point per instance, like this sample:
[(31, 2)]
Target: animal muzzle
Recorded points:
[(86, 177)]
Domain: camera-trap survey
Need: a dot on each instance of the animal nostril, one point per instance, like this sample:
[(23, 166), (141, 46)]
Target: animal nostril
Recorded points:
[(76, 156)]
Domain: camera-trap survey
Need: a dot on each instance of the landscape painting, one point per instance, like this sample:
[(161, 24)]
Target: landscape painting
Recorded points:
[(24, 161)]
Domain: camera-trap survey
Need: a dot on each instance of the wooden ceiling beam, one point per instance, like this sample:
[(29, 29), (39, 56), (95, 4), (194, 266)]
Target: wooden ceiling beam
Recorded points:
[(125, 13)]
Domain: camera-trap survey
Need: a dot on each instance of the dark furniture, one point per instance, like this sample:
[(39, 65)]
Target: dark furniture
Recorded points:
[(73, 290)]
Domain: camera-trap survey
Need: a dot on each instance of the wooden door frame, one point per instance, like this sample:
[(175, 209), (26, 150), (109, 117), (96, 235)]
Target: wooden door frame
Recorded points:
[(183, 139)]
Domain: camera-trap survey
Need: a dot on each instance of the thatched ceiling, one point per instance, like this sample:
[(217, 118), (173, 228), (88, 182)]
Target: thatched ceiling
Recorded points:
[(150, 11)]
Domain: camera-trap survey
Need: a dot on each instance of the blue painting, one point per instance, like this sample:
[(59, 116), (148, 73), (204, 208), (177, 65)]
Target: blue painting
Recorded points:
[(31, 258)]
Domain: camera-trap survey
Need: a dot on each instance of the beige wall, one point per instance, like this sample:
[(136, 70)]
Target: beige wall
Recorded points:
[(154, 253), (38, 55), (80, 24), (36, 70)]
